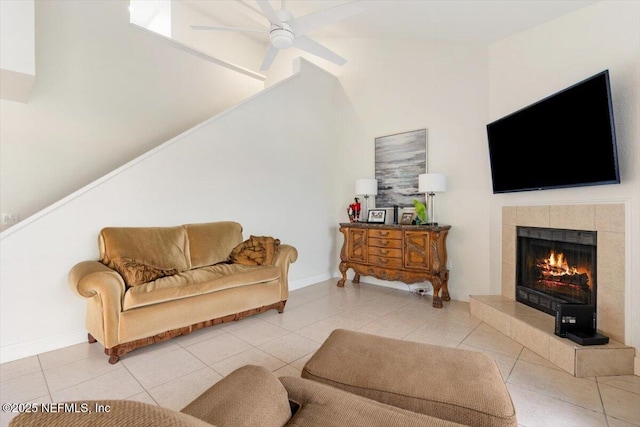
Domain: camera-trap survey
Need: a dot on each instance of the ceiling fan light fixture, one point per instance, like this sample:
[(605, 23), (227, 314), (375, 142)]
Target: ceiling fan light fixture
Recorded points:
[(281, 38)]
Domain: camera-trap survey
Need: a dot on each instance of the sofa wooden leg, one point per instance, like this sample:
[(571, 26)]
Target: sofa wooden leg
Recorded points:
[(281, 305), (113, 359), (91, 339)]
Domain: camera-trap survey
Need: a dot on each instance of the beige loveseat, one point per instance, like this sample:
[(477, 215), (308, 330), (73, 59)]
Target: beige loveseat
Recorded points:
[(155, 283)]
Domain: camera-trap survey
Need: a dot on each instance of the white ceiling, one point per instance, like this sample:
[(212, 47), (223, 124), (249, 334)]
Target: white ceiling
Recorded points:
[(479, 21)]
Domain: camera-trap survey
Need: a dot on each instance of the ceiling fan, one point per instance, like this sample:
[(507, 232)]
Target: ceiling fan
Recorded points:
[(286, 31)]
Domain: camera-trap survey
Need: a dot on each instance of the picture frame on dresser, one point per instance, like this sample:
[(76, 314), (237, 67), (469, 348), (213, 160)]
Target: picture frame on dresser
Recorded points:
[(407, 218), (376, 216)]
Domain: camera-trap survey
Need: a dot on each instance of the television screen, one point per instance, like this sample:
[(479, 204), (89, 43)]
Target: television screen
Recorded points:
[(565, 140)]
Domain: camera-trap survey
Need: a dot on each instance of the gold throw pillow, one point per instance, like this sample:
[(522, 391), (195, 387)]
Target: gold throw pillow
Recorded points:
[(135, 272), (257, 250)]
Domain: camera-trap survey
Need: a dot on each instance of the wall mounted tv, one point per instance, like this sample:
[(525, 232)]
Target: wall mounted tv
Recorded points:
[(565, 140)]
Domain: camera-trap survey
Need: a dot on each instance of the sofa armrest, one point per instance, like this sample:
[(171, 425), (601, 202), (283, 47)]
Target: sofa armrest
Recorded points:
[(89, 278), (250, 396), (285, 255), (104, 289)]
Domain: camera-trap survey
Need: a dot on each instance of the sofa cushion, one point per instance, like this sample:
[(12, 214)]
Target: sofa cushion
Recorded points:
[(121, 413), (135, 272), (453, 384), (164, 248), (257, 250), (197, 282), (249, 396), (211, 243), (321, 405)]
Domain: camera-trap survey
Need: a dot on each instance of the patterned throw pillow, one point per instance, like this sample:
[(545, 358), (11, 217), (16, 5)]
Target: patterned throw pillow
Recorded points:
[(257, 250), (135, 272)]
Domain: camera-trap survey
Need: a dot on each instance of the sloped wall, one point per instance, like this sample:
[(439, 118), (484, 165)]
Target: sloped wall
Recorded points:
[(105, 92), (266, 163)]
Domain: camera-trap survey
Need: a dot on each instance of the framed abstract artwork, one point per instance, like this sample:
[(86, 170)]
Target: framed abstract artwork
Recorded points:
[(400, 158)]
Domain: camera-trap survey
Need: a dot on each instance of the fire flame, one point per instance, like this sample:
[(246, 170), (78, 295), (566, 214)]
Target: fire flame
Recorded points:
[(561, 265)]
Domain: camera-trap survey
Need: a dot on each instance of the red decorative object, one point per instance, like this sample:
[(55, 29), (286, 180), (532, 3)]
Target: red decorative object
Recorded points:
[(354, 211)]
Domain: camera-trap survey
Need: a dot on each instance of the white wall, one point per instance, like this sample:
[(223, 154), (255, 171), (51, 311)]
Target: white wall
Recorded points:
[(404, 85), (105, 92), (398, 86), (17, 49), (17, 36), (534, 64), (267, 164)]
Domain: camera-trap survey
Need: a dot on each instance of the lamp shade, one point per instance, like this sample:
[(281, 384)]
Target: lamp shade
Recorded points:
[(432, 183), (367, 186)]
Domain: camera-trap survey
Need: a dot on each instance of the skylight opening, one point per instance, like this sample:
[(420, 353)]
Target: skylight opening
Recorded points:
[(154, 15)]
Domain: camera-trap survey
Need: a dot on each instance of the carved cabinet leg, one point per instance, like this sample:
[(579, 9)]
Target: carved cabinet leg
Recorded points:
[(91, 339), (343, 270), (445, 286), (356, 278), (437, 285)]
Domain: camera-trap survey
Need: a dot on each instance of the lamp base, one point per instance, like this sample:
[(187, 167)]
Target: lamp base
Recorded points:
[(430, 223)]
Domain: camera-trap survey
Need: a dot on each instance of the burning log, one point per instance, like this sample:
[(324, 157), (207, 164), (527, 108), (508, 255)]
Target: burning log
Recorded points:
[(571, 292), (560, 275)]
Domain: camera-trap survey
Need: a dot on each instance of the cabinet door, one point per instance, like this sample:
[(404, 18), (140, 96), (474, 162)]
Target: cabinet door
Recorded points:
[(357, 245), (416, 250)]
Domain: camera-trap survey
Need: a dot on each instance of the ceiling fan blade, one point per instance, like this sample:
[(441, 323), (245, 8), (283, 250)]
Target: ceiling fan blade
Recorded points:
[(268, 11), (315, 48), (313, 21), (268, 58), (215, 28)]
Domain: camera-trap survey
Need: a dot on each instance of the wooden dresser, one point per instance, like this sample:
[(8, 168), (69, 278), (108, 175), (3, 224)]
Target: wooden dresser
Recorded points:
[(408, 253)]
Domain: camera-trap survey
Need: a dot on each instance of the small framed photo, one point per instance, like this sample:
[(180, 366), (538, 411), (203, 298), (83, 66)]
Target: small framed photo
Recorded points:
[(377, 216), (407, 218)]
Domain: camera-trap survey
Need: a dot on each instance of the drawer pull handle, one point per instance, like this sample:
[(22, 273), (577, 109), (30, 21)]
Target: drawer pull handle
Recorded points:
[(383, 234), (383, 261), (381, 252), (384, 242)]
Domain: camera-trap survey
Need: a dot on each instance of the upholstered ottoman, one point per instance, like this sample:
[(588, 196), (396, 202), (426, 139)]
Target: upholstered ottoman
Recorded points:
[(451, 384)]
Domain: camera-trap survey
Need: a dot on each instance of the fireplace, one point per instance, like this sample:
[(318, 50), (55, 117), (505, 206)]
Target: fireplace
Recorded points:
[(555, 266)]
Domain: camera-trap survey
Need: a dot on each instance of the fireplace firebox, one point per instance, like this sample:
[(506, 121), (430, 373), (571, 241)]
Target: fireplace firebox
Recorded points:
[(555, 266)]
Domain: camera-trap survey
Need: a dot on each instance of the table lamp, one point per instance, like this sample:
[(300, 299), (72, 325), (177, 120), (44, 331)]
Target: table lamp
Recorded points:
[(430, 184), (366, 187)]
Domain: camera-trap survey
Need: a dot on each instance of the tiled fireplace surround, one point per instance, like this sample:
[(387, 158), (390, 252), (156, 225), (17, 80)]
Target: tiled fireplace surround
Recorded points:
[(533, 328)]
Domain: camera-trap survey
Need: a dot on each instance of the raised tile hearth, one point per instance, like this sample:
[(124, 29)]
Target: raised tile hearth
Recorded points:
[(534, 330)]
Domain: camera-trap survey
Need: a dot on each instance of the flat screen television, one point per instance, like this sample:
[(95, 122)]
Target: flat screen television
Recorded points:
[(565, 140)]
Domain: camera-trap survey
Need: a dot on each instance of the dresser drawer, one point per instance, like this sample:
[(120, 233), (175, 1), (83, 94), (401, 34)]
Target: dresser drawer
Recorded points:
[(385, 234), (385, 243), (385, 262), (385, 252)]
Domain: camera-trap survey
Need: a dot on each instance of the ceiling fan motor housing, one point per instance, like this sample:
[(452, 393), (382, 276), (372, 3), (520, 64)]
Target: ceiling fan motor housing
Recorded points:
[(281, 37)]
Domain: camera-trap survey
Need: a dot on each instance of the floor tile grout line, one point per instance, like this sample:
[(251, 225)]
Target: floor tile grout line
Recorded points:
[(533, 390), (514, 365), (604, 409), (139, 383), (618, 387), (44, 377)]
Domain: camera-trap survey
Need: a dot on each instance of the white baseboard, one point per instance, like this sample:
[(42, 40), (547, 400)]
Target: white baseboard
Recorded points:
[(308, 281), (9, 353)]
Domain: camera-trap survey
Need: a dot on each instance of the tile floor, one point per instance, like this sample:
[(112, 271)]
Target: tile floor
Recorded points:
[(173, 373)]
